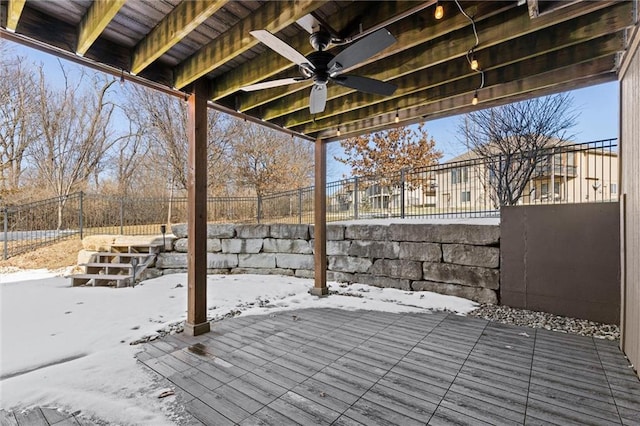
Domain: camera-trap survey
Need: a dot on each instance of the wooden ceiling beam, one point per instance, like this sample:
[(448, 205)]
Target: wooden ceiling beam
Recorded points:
[(272, 16), (500, 30), (186, 17), (409, 32), (438, 61), (460, 105), (93, 23), (528, 69), (14, 10)]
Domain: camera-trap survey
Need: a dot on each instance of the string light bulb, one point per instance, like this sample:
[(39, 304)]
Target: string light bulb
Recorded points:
[(397, 119), (338, 133), (474, 63), (475, 98), (121, 78), (439, 13)]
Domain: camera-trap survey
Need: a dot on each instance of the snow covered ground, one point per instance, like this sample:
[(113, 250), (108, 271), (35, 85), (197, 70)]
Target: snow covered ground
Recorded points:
[(69, 347)]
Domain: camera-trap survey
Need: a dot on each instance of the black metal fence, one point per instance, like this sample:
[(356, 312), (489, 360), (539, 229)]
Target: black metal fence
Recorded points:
[(471, 187)]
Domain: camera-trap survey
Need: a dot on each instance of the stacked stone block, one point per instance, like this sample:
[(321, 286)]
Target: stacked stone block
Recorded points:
[(455, 259)]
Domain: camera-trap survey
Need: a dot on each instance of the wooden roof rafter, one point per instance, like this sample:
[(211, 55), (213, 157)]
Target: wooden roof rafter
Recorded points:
[(94, 22), (186, 17), (14, 10)]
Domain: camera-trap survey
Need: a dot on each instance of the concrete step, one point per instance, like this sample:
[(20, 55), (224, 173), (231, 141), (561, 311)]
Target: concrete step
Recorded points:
[(137, 248), (101, 279), (128, 255), (106, 265)]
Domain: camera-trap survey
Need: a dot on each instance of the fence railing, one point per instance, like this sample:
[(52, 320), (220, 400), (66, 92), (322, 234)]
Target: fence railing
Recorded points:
[(586, 172)]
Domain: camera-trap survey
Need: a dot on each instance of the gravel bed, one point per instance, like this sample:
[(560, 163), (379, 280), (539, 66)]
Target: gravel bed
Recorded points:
[(533, 319)]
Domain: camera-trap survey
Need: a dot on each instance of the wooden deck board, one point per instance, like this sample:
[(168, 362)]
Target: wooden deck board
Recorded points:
[(327, 366)]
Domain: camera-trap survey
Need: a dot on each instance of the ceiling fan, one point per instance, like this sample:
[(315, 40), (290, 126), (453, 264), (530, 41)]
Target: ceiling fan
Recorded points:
[(323, 67)]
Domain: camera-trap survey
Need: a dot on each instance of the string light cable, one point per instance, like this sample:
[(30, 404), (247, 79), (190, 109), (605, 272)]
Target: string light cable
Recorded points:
[(473, 62)]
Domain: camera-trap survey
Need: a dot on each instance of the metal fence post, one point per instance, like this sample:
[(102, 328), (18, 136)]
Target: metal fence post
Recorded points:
[(122, 216), (402, 179), (259, 208), (5, 255), (356, 197), (80, 215), (299, 205)]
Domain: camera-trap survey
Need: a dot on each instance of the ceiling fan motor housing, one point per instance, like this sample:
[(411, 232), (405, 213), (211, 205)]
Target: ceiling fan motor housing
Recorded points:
[(319, 60)]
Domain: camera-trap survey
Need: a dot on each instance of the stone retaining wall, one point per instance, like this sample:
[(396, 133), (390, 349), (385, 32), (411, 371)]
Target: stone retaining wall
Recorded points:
[(455, 259)]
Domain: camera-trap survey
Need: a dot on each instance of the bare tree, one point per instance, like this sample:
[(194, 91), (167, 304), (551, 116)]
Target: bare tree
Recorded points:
[(381, 156), (161, 121), (267, 161), (132, 149), (514, 139), (18, 128), (76, 133)]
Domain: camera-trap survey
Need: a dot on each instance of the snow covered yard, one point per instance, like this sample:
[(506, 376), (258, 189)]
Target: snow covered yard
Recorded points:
[(69, 347)]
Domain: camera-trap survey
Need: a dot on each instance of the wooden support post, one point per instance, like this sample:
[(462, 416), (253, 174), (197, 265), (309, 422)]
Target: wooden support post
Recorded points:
[(320, 220), (197, 212)]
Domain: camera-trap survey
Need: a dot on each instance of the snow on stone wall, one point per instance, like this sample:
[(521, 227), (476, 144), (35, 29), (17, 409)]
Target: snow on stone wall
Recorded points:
[(455, 259)]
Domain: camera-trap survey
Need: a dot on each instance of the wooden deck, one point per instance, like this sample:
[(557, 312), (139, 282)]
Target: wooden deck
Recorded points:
[(330, 366)]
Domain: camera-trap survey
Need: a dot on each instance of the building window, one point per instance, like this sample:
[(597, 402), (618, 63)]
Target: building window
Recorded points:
[(465, 196), (544, 189), (459, 175), (614, 188)]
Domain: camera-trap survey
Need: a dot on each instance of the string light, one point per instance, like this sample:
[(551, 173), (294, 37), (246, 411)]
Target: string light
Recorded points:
[(121, 78), (338, 133), (397, 119), (471, 58), (439, 13), (474, 63)]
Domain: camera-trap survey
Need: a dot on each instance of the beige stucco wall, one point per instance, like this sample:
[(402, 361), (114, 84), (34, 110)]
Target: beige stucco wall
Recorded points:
[(630, 213)]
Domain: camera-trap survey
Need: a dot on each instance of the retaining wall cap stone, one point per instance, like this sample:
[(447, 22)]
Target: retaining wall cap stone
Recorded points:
[(182, 245), (252, 231), (446, 233), (366, 232), (215, 230), (334, 232), (290, 231)]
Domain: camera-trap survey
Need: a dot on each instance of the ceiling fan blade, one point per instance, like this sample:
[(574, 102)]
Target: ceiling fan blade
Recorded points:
[(270, 84), (363, 49), (366, 84), (318, 98), (280, 47)]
